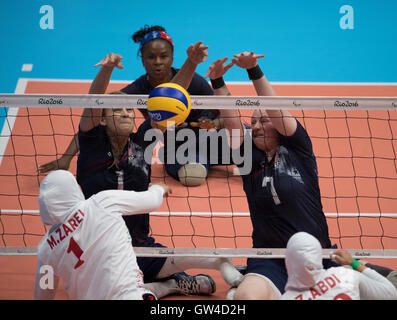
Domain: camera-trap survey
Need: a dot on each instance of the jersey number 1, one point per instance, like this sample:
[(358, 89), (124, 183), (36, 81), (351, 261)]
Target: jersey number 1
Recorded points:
[(75, 248)]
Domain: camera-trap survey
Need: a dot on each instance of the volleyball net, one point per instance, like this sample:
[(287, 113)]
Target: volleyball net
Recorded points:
[(354, 140)]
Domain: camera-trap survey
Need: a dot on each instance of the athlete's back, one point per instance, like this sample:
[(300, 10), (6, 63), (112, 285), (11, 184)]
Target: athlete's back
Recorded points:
[(334, 284), (308, 280), (89, 246)]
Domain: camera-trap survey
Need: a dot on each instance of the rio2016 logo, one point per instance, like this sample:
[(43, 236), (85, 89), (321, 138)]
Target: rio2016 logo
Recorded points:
[(156, 116)]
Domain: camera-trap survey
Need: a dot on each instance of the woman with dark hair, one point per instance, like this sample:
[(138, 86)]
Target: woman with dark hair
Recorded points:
[(156, 50)]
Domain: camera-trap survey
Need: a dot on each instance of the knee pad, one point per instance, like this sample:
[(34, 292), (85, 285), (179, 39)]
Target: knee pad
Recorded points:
[(192, 174)]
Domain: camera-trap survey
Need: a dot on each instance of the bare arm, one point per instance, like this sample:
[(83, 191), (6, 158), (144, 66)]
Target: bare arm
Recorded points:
[(91, 117), (64, 161), (230, 117), (196, 54), (283, 121)]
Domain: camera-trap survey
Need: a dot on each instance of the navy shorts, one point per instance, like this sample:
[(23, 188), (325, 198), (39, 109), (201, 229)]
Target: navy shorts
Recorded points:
[(149, 266), (273, 269)]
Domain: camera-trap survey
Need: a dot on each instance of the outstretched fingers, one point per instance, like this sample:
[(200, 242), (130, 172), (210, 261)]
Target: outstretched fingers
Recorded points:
[(197, 53), (218, 68), (247, 60), (111, 60)]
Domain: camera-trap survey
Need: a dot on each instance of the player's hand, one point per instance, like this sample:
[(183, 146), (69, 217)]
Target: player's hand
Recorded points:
[(62, 163), (206, 123), (110, 61), (167, 189), (218, 68), (197, 53), (247, 60), (341, 256)]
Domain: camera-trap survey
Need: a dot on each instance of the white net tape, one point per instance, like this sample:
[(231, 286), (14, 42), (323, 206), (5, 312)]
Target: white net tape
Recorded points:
[(264, 253), (200, 102)]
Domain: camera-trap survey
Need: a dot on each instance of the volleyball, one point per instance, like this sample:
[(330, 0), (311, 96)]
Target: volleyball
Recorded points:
[(169, 104)]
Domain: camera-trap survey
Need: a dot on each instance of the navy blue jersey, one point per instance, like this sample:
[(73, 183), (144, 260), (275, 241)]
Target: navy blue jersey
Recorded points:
[(95, 172), (198, 86), (283, 194)]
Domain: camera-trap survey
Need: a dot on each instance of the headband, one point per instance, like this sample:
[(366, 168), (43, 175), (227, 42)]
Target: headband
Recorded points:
[(155, 35)]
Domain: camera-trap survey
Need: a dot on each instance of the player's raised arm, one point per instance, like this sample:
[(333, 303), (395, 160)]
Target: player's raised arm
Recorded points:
[(196, 54), (230, 118), (283, 121), (91, 117)]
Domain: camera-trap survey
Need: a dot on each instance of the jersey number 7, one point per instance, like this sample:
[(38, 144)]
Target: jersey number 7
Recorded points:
[(75, 248)]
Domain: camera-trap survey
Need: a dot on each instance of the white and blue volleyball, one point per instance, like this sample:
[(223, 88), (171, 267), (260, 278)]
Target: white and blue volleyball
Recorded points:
[(169, 104)]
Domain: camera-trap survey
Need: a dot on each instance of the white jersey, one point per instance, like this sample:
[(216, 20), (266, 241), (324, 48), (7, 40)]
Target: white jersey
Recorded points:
[(91, 248), (308, 280), (341, 283)]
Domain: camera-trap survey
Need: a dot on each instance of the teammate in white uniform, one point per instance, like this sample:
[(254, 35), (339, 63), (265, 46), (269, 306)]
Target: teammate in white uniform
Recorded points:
[(89, 245), (308, 280)]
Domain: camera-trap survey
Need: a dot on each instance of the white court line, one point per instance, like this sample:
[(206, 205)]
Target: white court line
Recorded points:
[(69, 80), (220, 214), (27, 67), (10, 119), (287, 83)]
